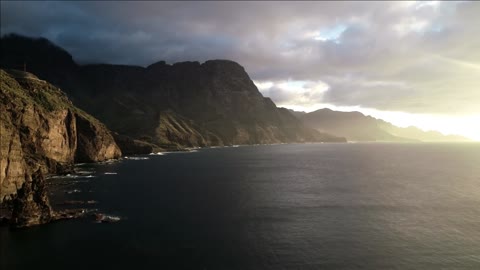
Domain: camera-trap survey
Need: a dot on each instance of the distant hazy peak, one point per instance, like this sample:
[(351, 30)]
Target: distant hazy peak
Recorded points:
[(359, 127)]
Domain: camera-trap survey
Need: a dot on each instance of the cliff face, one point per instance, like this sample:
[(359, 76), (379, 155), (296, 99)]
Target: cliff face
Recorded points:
[(95, 142), (181, 105), (42, 132), (187, 104)]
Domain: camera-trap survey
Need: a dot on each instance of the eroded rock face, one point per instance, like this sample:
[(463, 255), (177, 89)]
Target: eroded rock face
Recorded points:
[(95, 143), (12, 163), (130, 146), (32, 140), (42, 132)]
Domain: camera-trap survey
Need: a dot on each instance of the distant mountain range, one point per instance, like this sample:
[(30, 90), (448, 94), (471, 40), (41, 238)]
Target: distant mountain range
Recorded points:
[(356, 126)]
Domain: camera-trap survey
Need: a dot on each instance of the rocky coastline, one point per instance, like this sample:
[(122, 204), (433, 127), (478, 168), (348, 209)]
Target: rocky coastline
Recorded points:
[(155, 109), (31, 205), (42, 133)]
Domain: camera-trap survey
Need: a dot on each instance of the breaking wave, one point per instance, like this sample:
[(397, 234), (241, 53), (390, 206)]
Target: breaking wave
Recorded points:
[(103, 218), (85, 172), (136, 158), (157, 154), (71, 176)]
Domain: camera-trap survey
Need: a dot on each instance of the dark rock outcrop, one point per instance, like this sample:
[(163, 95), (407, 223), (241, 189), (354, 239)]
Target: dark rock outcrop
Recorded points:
[(95, 142), (131, 146), (31, 205)]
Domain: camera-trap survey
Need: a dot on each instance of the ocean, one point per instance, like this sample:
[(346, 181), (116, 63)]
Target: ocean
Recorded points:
[(295, 206)]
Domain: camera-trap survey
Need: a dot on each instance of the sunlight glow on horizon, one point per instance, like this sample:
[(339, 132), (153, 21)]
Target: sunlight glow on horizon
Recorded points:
[(307, 96), (445, 124)]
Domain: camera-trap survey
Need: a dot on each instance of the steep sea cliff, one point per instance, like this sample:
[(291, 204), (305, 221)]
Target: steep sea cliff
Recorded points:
[(42, 133)]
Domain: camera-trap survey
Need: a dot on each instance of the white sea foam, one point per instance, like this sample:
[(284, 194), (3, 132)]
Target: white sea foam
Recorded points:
[(157, 154), (71, 176), (136, 158), (110, 173), (110, 161), (113, 218), (102, 218), (85, 172)]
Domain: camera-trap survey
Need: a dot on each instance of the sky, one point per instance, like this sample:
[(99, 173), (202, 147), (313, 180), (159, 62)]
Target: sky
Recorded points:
[(407, 62)]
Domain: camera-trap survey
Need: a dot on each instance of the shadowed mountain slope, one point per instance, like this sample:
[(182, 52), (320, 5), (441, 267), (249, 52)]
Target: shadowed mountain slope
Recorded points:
[(181, 105)]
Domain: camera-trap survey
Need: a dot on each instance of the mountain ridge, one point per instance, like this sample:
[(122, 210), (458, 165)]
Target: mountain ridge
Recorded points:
[(356, 126), (222, 104)]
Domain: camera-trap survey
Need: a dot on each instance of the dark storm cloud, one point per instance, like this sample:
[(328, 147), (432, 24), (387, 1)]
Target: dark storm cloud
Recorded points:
[(415, 57)]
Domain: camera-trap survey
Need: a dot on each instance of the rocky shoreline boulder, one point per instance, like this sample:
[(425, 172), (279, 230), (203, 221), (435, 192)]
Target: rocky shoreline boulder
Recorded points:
[(31, 205)]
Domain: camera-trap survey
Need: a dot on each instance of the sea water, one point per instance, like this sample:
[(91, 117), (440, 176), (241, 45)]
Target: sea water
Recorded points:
[(299, 206)]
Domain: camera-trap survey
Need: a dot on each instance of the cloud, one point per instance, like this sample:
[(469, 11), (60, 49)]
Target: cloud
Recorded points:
[(298, 93), (417, 57)]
